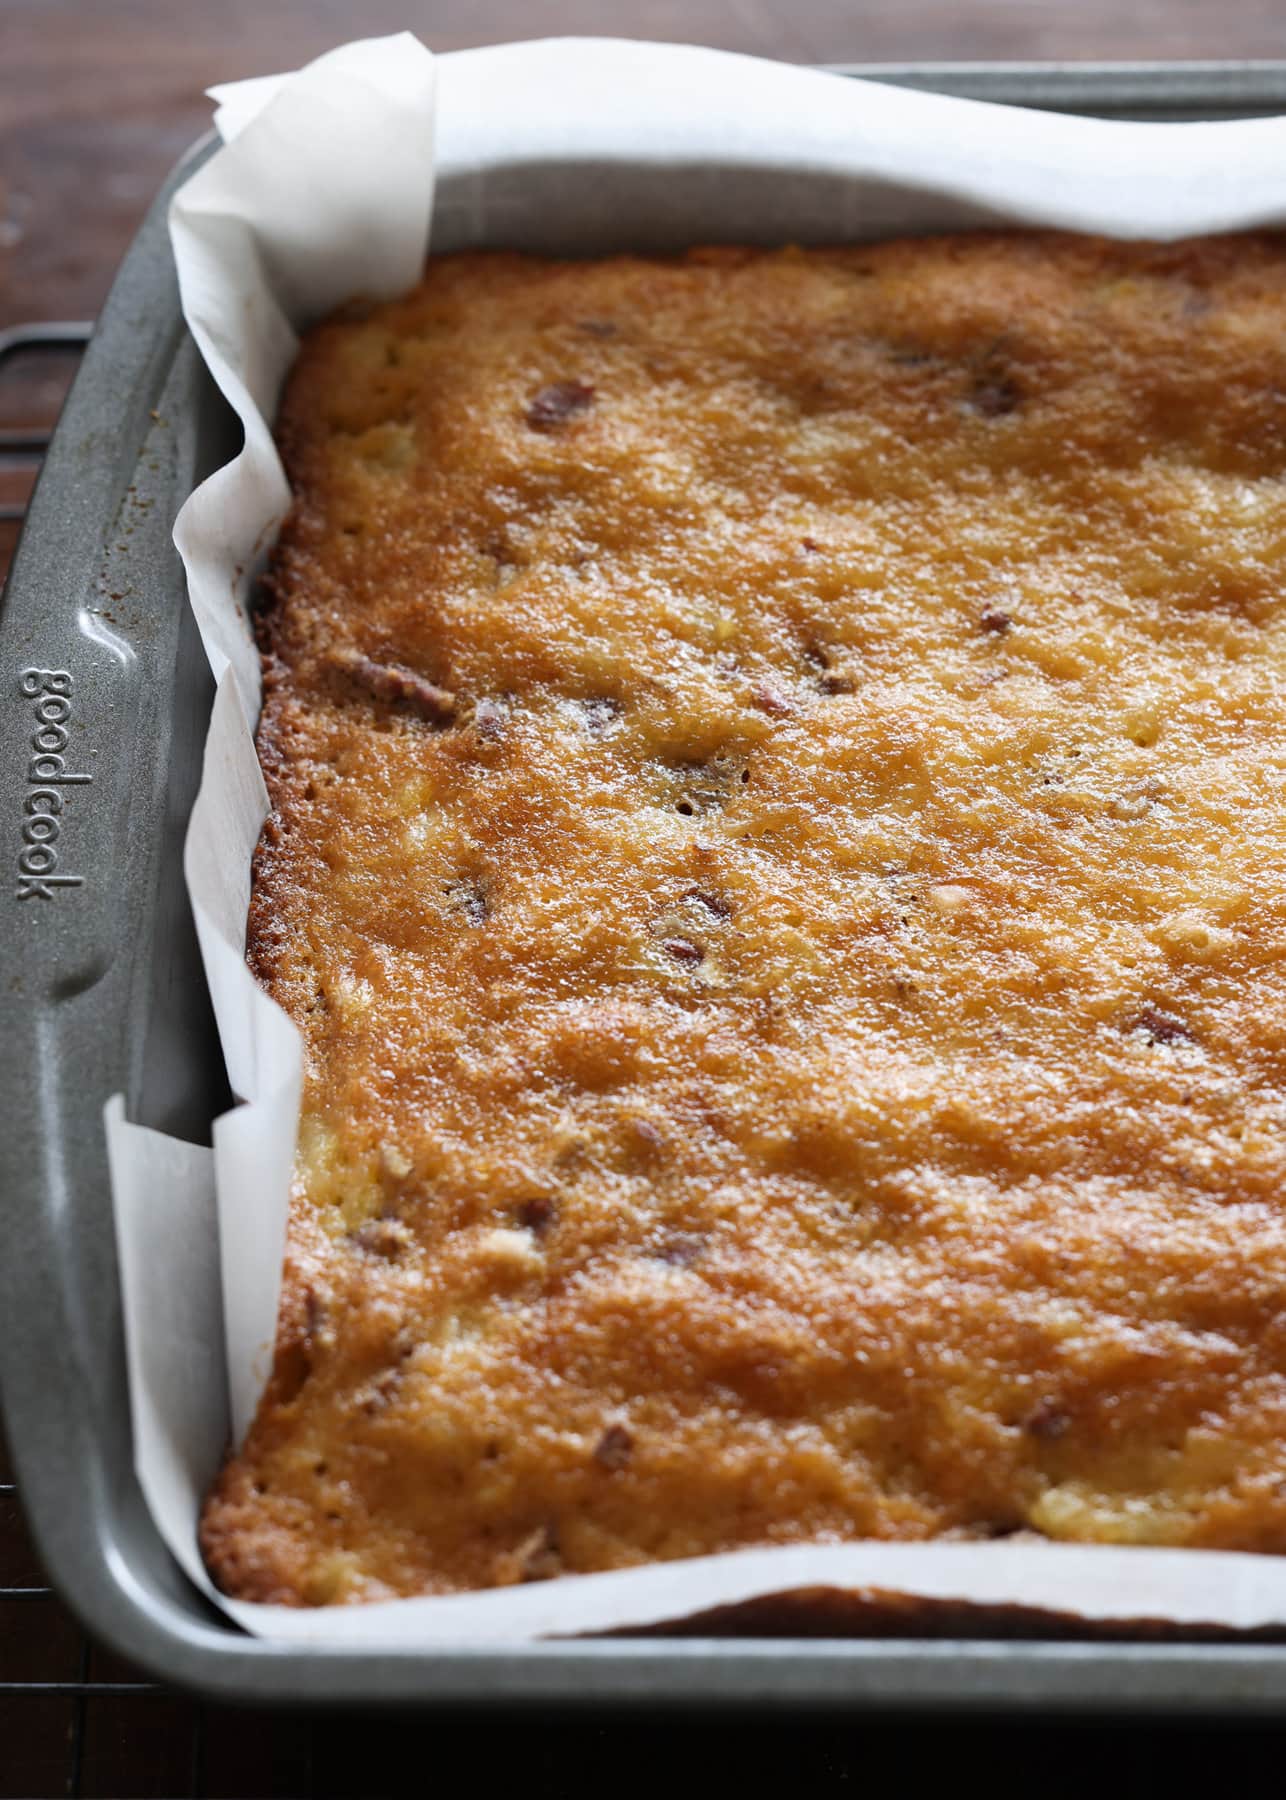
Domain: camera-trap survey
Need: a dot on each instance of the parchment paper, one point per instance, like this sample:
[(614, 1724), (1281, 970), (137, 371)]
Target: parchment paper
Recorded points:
[(324, 189)]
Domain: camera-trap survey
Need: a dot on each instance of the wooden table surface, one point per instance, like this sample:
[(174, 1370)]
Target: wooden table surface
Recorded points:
[(97, 100)]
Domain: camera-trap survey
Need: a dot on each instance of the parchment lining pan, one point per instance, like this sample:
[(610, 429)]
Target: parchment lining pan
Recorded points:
[(325, 190)]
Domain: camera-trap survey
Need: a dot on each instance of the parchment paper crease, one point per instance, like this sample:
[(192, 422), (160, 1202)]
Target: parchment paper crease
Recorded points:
[(323, 190)]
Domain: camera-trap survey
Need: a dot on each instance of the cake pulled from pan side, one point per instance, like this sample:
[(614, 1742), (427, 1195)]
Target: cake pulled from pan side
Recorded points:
[(778, 857)]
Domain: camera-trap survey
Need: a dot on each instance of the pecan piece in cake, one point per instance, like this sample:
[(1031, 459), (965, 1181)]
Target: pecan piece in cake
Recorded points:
[(557, 403)]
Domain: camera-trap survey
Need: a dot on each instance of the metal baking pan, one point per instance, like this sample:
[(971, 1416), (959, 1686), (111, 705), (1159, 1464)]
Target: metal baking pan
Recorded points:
[(105, 699)]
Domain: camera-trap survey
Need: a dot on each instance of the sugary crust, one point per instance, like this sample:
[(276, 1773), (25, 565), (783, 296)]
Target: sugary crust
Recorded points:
[(777, 857)]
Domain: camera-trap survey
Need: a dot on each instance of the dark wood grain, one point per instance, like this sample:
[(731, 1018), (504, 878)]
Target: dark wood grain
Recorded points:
[(97, 101)]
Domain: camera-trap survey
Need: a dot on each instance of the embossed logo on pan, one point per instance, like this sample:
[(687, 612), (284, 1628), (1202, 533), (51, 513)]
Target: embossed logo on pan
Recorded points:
[(48, 778)]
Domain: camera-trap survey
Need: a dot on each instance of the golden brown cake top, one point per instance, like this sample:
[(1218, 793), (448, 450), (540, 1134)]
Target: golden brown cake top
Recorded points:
[(778, 857)]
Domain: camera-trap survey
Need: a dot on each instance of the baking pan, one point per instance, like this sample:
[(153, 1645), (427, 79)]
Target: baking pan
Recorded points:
[(106, 696)]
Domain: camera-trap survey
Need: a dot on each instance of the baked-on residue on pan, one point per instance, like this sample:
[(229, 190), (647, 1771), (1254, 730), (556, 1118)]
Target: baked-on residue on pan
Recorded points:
[(778, 857)]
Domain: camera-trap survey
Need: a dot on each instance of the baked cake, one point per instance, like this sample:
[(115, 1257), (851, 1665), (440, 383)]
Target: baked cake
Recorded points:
[(778, 857)]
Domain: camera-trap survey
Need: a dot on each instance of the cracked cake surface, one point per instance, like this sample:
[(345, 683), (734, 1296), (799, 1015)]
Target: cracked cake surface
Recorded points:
[(778, 858)]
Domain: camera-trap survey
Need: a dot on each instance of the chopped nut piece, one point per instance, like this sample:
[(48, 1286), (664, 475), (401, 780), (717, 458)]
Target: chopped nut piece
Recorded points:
[(995, 396), (557, 403), (397, 686), (537, 1215), (714, 904), (1047, 1420), (1161, 1027), (614, 1449), (768, 698), (682, 1251)]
